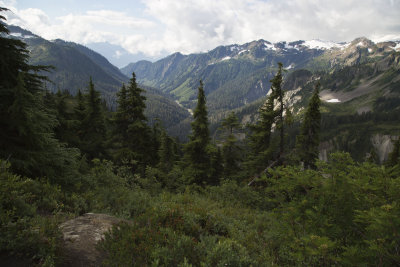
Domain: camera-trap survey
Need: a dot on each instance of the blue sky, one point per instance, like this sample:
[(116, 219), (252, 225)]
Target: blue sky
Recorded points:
[(154, 28)]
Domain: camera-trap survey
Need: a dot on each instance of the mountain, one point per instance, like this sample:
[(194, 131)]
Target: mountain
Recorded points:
[(360, 85), (74, 64), (235, 75), (249, 66)]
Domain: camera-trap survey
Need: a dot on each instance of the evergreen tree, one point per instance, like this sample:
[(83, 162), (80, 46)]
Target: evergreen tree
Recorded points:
[(278, 93), (93, 125), (62, 130), (131, 129), (27, 136), (166, 152), (260, 139), (121, 121), (230, 150), (216, 165), (196, 150), (308, 140)]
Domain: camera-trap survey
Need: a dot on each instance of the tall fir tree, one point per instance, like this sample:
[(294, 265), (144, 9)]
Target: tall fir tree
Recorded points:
[(166, 152), (196, 150), (261, 133), (93, 125), (131, 129), (307, 142), (120, 120), (230, 149), (27, 126), (276, 87)]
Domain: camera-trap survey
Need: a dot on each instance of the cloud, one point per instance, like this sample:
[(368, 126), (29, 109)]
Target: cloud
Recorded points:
[(198, 25), (92, 26), (190, 26)]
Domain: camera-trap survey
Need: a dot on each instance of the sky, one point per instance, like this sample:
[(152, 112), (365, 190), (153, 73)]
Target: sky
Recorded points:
[(155, 28)]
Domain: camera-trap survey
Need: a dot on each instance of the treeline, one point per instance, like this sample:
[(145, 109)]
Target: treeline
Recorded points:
[(264, 200)]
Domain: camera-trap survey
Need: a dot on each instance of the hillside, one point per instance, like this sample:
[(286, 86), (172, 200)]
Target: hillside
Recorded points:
[(74, 64), (236, 75)]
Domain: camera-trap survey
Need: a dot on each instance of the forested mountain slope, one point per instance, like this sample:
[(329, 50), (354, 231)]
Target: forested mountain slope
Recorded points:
[(74, 64)]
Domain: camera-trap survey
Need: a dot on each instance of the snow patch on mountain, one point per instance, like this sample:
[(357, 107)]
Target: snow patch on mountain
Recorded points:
[(289, 67), (269, 46), (319, 44), (333, 100), (226, 58), (288, 46)]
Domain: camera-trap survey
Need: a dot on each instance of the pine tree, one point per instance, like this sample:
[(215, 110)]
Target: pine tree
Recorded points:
[(308, 140), (93, 125), (278, 93), (26, 135), (230, 151), (216, 165), (121, 121), (196, 154), (131, 130), (166, 152), (261, 133)]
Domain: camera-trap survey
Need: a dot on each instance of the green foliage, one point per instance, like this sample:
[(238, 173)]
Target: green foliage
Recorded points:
[(166, 152), (27, 136), (131, 129), (261, 132), (307, 142), (24, 233), (394, 156), (196, 155), (230, 150), (93, 126)]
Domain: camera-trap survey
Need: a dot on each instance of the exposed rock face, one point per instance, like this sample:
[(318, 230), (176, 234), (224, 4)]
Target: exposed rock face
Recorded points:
[(383, 145), (325, 148), (81, 236)]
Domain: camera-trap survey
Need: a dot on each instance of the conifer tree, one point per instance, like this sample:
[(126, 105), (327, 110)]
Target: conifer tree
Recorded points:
[(93, 126), (216, 165), (131, 129), (166, 152), (278, 93), (27, 126), (196, 154), (121, 121), (230, 151), (308, 140), (260, 139)]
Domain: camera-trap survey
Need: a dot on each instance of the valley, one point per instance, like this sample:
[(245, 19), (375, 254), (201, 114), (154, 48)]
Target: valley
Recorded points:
[(254, 154)]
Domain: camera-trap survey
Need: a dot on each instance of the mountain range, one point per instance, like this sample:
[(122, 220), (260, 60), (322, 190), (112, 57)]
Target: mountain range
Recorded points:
[(360, 84)]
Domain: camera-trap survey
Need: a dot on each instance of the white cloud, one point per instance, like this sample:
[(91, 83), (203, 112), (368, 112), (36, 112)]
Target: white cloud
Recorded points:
[(203, 24), (190, 26)]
